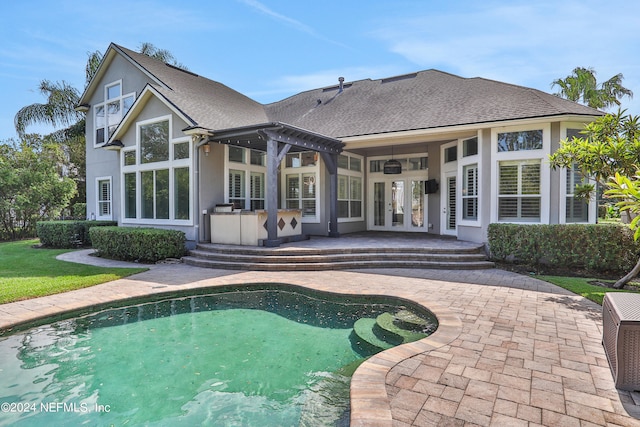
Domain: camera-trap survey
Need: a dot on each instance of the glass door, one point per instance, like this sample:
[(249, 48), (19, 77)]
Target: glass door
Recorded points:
[(379, 205), (397, 205)]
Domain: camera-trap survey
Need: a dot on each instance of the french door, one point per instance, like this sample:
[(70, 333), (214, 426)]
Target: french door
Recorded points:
[(397, 204)]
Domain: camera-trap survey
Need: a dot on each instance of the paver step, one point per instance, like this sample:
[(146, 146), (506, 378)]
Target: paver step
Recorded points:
[(253, 250), (335, 265), (335, 257)]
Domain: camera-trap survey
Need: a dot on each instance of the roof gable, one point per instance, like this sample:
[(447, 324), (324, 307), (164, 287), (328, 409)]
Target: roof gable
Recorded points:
[(107, 59), (147, 93), (207, 103)]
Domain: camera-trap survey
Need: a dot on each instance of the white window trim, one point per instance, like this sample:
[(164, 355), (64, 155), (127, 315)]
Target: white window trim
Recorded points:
[(545, 170), (248, 169), (406, 157), (562, 202), (466, 161), (170, 164), (448, 170), (356, 174), (98, 201), (301, 171), (104, 105)]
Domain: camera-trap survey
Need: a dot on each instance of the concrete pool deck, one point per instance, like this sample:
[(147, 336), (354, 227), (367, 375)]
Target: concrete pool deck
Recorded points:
[(510, 350)]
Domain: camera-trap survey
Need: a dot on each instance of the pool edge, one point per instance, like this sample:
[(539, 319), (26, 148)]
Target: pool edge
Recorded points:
[(370, 403)]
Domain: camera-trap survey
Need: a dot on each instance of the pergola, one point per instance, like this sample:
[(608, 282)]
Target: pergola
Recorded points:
[(277, 139)]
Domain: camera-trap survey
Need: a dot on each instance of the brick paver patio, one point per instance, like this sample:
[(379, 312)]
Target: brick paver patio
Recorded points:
[(510, 350)]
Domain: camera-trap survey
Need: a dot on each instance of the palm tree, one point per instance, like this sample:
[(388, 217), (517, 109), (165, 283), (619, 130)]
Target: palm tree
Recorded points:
[(581, 86), (59, 110)]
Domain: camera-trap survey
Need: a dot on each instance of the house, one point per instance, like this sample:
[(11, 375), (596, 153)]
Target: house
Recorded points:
[(426, 152)]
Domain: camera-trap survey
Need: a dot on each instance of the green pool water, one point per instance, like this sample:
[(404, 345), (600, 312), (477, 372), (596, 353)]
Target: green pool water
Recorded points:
[(259, 358)]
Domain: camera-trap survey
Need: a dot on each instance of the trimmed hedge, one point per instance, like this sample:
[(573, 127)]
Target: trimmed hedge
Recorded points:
[(67, 234), (138, 244), (595, 247)]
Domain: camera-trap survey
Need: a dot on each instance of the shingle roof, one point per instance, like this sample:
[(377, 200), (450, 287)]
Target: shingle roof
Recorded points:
[(422, 100), (208, 103)]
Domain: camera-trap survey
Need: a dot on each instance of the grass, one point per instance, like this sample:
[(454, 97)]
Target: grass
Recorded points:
[(26, 272), (581, 286)]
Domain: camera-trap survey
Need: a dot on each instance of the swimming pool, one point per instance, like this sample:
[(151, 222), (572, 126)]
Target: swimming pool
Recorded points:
[(258, 355)]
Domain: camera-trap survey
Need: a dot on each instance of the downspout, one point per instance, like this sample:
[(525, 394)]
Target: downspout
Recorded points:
[(196, 188)]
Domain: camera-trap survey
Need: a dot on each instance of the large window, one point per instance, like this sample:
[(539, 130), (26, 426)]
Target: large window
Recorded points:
[(155, 194), (107, 115), (300, 184), (181, 195), (350, 186), (470, 192), (154, 142), (519, 196), (519, 141), (408, 164), (301, 189), (246, 178), (349, 196), (130, 192), (156, 183)]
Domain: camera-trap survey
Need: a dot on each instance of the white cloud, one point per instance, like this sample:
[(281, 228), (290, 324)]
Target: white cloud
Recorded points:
[(527, 43), (254, 4)]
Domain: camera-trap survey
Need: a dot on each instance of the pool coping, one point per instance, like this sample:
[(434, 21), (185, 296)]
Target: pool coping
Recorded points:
[(370, 403)]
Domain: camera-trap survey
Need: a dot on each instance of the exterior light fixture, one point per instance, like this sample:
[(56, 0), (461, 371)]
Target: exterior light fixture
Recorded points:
[(392, 167), (206, 148)]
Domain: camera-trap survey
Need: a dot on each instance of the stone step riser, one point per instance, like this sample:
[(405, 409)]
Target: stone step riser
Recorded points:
[(230, 250), (402, 257), (336, 265)]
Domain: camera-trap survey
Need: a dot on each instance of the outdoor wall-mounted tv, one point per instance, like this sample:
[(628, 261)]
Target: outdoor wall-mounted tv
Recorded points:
[(431, 186)]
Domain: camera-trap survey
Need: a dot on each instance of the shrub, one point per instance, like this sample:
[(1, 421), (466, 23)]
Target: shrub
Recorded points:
[(138, 244), (67, 234), (79, 211), (597, 248)]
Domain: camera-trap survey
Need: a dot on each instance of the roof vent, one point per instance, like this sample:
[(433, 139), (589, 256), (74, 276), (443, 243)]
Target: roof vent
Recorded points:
[(397, 78), (341, 81)]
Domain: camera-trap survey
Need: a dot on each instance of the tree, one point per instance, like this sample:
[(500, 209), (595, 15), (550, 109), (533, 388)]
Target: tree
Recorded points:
[(627, 190), (32, 187), (610, 144), (581, 86), (609, 149)]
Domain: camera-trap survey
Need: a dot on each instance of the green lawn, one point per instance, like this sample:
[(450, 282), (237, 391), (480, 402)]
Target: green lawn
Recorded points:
[(26, 272), (581, 286)]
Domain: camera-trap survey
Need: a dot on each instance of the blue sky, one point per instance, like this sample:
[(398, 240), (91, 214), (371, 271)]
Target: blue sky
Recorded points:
[(271, 49)]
